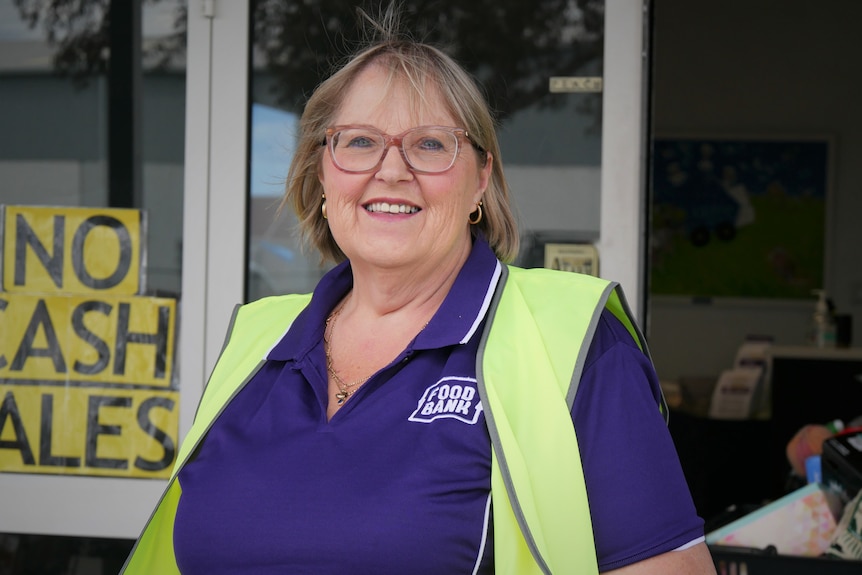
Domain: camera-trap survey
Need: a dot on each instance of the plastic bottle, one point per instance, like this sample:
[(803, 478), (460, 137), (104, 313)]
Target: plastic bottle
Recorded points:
[(823, 325)]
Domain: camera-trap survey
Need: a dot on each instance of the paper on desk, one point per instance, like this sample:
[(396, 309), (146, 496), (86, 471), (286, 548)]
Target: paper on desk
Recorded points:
[(801, 523), (734, 393)]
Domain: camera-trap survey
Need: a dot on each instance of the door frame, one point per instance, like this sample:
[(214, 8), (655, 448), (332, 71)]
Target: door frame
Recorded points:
[(215, 237), (218, 187)]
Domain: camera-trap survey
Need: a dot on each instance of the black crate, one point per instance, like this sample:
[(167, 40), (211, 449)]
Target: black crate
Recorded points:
[(742, 561), (841, 464)]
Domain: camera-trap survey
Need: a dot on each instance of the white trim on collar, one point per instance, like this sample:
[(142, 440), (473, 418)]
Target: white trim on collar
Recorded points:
[(492, 286)]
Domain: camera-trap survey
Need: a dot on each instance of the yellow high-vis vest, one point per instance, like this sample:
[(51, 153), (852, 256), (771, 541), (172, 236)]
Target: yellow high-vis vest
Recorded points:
[(528, 368)]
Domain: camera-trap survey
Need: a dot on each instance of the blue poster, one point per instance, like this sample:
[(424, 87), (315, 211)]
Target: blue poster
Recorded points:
[(738, 218)]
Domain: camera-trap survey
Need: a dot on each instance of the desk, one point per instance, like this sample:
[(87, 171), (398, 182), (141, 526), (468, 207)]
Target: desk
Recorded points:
[(723, 460), (733, 462), (808, 385)]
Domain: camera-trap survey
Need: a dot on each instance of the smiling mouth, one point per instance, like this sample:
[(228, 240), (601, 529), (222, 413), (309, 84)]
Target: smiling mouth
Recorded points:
[(387, 208)]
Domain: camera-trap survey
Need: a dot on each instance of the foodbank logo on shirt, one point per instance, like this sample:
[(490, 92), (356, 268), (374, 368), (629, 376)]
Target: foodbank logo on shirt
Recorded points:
[(451, 397)]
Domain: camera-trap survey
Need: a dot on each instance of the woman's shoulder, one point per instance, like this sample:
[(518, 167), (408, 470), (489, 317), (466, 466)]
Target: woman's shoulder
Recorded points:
[(610, 331), (541, 276), (276, 304), (265, 318)]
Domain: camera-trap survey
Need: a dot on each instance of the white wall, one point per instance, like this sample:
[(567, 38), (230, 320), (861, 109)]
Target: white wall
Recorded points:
[(762, 68)]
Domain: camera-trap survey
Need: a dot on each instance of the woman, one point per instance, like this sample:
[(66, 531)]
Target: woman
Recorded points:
[(362, 443)]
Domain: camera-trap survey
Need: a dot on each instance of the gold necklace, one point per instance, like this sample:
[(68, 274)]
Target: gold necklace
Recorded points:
[(345, 389)]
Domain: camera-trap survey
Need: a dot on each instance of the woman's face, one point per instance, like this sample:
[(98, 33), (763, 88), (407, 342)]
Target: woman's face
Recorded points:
[(431, 230)]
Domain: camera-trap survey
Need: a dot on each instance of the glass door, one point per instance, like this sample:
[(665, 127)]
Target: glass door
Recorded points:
[(541, 66), (92, 165), (582, 179), (565, 77)]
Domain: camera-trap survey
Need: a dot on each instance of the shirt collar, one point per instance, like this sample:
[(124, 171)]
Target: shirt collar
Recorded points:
[(464, 308), (455, 322)]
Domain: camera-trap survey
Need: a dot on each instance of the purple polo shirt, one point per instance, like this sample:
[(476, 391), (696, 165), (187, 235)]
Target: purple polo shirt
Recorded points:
[(398, 481)]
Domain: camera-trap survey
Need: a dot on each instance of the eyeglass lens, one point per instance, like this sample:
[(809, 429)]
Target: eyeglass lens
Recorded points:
[(426, 149)]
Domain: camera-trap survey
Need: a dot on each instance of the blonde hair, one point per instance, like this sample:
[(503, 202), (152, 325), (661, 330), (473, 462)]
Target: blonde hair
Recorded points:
[(416, 65)]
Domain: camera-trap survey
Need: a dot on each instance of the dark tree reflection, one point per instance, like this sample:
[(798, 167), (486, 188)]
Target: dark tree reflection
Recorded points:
[(512, 46)]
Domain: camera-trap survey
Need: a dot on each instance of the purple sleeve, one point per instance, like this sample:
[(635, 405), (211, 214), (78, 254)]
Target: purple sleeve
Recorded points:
[(640, 503)]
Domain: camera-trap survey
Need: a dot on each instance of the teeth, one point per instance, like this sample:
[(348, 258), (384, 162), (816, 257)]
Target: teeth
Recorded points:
[(386, 207)]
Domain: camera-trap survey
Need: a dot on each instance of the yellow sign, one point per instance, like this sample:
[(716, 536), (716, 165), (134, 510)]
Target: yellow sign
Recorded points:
[(575, 84), (578, 258), (87, 430), (100, 339), (86, 365), (71, 250)]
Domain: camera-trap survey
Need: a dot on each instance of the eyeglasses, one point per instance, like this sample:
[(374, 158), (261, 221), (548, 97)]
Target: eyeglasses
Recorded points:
[(426, 149)]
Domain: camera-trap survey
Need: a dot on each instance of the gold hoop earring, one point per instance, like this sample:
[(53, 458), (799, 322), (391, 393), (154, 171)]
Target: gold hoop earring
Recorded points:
[(323, 206), (473, 221)]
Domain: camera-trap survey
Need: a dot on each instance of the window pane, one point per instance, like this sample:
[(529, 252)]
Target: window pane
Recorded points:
[(92, 117), (67, 138), (540, 64)]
